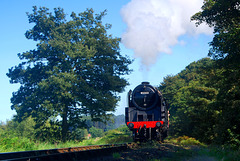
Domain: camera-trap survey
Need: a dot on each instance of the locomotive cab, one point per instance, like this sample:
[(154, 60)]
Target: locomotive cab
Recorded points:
[(146, 114)]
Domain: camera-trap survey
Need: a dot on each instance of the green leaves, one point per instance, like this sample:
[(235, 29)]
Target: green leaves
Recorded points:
[(190, 96), (76, 68), (204, 102), (224, 16)]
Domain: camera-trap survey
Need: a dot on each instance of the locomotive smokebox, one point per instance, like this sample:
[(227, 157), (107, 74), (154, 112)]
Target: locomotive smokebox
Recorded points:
[(144, 96)]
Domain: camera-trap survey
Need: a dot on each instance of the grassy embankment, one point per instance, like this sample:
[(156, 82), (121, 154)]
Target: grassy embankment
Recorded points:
[(12, 144), (182, 147), (194, 150)]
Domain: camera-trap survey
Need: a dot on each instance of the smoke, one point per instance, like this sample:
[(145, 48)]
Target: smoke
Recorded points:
[(154, 26)]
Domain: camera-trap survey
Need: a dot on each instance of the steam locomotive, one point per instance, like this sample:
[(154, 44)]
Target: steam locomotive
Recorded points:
[(147, 113)]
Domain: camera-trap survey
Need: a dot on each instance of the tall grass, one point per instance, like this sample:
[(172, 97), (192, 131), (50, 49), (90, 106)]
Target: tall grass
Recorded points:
[(185, 140), (223, 153), (13, 144), (122, 135), (16, 144)]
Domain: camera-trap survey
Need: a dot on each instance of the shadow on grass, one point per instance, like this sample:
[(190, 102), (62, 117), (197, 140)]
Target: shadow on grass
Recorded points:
[(156, 151)]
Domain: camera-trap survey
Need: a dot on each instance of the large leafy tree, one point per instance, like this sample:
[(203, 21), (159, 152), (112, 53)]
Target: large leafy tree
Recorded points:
[(75, 69), (205, 97), (224, 17), (191, 96)]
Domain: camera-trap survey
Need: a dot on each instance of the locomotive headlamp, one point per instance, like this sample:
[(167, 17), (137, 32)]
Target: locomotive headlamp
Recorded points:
[(158, 124), (130, 125)]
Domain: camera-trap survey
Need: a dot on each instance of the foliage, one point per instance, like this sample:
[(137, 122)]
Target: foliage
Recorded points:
[(185, 140), (190, 97), (221, 153), (15, 136), (12, 143), (15, 144), (112, 123), (201, 151), (76, 69), (79, 134), (204, 98), (119, 135), (116, 155), (224, 17), (204, 103), (95, 132), (21, 130), (234, 139), (26, 128), (50, 131)]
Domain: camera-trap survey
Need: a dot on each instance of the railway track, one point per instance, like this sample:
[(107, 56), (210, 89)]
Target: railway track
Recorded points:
[(72, 153)]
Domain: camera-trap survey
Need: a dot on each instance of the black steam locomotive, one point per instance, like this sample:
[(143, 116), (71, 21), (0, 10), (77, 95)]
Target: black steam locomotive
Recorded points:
[(147, 113)]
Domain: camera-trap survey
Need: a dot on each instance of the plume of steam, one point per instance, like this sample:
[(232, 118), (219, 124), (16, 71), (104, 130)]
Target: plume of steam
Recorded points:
[(153, 26)]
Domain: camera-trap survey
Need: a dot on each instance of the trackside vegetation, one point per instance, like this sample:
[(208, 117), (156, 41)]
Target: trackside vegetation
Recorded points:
[(183, 147), (204, 98), (10, 141), (69, 87), (193, 149), (75, 70)]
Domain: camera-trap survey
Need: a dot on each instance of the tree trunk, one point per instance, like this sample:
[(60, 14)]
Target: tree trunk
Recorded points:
[(64, 124)]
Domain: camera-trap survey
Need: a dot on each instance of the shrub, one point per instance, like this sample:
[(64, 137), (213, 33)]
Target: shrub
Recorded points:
[(234, 139), (95, 132), (185, 140), (15, 144), (116, 155), (116, 136), (79, 134)]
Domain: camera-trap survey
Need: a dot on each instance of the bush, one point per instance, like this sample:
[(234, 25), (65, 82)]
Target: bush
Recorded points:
[(116, 155), (120, 135), (49, 131), (79, 134), (185, 140), (15, 144), (234, 140), (124, 129), (95, 132)]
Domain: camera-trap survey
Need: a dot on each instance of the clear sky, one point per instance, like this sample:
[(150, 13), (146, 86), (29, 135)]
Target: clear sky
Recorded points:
[(176, 42)]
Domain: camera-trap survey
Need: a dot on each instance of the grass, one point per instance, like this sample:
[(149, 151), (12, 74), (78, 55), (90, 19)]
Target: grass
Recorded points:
[(225, 153), (194, 149), (16, 144), (13, 144), (116, 155), (185, 140), (185, 147)]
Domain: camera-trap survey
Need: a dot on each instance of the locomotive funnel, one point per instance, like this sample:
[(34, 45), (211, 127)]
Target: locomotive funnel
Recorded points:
[(145, 83)]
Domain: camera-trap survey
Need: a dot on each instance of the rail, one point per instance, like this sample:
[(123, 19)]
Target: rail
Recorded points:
[(71, 153)]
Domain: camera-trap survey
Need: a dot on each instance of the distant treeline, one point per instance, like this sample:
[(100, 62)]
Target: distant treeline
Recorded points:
[(51, 130), (113, 123)]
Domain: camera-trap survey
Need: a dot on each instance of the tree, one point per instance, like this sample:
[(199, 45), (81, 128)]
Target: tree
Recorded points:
[(224, 16), (76, 69), (190, 97), (96, 132)]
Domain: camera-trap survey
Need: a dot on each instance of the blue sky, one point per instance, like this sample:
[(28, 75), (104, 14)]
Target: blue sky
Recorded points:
[(188, 47)]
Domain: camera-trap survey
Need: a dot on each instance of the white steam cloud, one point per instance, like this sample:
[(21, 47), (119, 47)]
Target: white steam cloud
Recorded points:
[(153, 26)]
